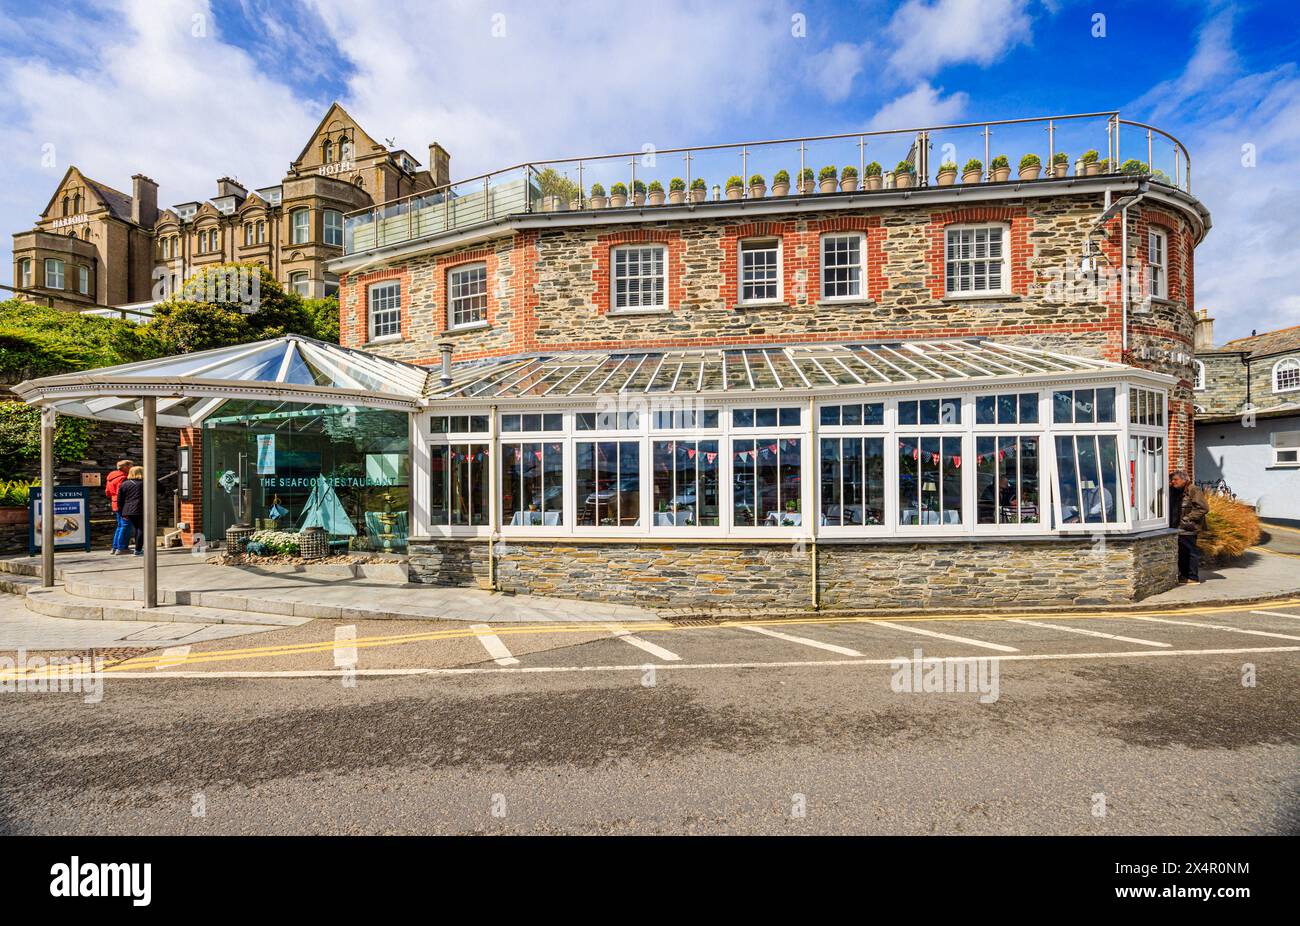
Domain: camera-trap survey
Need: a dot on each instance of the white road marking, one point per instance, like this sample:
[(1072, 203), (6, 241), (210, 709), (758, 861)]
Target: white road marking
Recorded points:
[(842, 650), (1294, 617), (652, 649), (499, 652), (1090, 633), (1254, 633), (172, 656), (945, 636), (640, 667)]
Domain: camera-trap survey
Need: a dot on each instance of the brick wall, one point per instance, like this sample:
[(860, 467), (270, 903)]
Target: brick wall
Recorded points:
[(739, 575)]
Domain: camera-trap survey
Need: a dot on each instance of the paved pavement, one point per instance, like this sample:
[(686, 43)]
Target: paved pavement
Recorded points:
[(27, 630)]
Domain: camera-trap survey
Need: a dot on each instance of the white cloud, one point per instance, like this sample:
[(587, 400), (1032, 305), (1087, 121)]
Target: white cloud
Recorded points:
[(921, 106), (930, 36), (833, 70)]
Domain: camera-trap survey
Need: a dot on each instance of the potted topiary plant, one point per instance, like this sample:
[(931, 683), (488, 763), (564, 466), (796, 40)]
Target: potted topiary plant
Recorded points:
[(947, 175), (1091, 166), (849, 179), (827, 180), (1030, 167), (873, 175), (655, 194), (973, 172), (699, 190), (597, 196), (1106, 166), (1060, 164), (757, 187), (902, 175), (618, 195), (638, 193), (677, 191), (1134, 166), (781, 183), (805, 185), (735, 187), (999, 169)]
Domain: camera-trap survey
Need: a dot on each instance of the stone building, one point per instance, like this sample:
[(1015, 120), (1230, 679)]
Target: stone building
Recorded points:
[(96, 246), (1247, 396)]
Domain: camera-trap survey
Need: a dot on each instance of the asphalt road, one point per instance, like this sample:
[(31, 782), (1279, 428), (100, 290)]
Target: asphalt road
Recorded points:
[(1105, 725)]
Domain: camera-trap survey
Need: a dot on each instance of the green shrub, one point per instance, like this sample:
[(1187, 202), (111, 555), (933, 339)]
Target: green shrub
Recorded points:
[(806, 175), (1060, 158), (638, 187), (14, 493), (849, 173), (20, 438), (973, 164), (282, 542), (903, 168), (597, 190), (999, 161), (735, 182), (757, 180), (699, 184), (38, 341), (1133, 166), (827, 173), (677, 185), (655, 187), (781, 176), (874, 169), (618, 189), (1089, 156), (948, 165), (1030, 160)]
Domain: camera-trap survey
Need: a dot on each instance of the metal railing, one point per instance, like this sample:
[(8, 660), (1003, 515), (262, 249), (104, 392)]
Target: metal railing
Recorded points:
[(1081, 144)]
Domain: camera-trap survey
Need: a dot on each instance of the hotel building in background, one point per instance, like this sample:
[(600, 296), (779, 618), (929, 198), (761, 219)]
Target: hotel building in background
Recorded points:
[(94, 245)]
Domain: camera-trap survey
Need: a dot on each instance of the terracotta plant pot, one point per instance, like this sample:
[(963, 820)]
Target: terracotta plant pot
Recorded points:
[(1001, 174), (780, 189), (597, 202), (550, 203), (972, 176), (698, 196), (677, 197), (874, 181), (13, 515), (638, 199), (1031, 172), (849, 185), (575, 205), (1091, 168), (618, 201), (1061, 170), (947, 177), (902, 181), (735, 192), (758, 191), (828, 186), (656, 198)]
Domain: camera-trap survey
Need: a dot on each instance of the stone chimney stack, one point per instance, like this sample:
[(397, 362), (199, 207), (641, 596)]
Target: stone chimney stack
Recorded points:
[(1204, 335), (439, 165), (229, 187), (144, 201)]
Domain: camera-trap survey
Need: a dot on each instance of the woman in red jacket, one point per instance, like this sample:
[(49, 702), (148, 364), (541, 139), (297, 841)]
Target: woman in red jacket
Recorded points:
[(111, 486)]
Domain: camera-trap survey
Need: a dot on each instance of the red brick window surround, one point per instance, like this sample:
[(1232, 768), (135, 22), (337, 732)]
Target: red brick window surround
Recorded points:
[(789, 263), (384, 310), (604, 253), (454, 263), (1015, 250), (872, 257), (354, 304)]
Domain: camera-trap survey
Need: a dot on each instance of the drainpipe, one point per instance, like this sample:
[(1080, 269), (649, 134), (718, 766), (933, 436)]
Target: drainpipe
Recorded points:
[(1124, 282), (812, 515), (494, 507)]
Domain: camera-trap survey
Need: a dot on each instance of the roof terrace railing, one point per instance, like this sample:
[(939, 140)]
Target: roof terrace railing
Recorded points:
[(1082, 144)]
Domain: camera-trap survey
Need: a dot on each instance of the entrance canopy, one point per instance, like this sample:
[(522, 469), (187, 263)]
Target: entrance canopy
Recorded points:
[(189, 387)]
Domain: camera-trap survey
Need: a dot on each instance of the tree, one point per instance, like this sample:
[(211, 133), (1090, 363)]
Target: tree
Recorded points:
[(37, 340)]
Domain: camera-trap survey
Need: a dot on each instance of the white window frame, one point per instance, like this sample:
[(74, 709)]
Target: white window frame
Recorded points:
[(455, 299), (392, 314), (1286, 364), (25, 272), (300, 231), (1198, 380), (861, 267), (1004, 272), (336, 239), (54, 271), (614, 279), (886, 431), (1290, 445), (300, 283), (753, 245), (1158, 263), (83, 279)]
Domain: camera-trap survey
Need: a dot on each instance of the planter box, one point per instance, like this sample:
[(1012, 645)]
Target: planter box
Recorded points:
[(13, 516)]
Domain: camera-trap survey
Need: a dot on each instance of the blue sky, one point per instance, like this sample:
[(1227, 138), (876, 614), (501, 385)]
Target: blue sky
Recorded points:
[(190, 90)]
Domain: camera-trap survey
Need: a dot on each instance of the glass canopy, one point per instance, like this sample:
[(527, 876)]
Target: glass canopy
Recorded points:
[(189, 387), (798, 367)]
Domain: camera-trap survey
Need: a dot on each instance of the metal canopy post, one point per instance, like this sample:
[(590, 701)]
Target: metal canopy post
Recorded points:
[(48, 418), (149, 412)]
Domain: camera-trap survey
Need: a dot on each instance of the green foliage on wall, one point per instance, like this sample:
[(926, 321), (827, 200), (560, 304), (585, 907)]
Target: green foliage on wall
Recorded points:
[(20, 438)]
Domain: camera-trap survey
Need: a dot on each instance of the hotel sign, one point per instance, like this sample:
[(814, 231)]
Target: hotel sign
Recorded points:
[(338, 167)]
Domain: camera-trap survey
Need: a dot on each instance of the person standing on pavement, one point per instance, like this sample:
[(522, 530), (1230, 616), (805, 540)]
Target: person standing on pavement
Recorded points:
[(122, 532), (130, 502), (1187, 511)]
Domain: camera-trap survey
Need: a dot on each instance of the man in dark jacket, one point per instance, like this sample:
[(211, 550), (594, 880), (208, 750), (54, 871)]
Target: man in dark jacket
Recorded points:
[(1187, 511), (130, 502), (114, 481)]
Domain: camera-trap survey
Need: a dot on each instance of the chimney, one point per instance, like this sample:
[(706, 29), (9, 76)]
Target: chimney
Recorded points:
[(1204, 336), (228, 187), (439, 165), (445, 348), (144, 201)]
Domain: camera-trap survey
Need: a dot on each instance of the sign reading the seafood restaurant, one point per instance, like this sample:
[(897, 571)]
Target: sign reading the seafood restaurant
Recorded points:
[(71, 520)]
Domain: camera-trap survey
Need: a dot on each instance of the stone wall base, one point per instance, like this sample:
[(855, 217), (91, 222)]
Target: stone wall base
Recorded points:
[(738, 575)]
